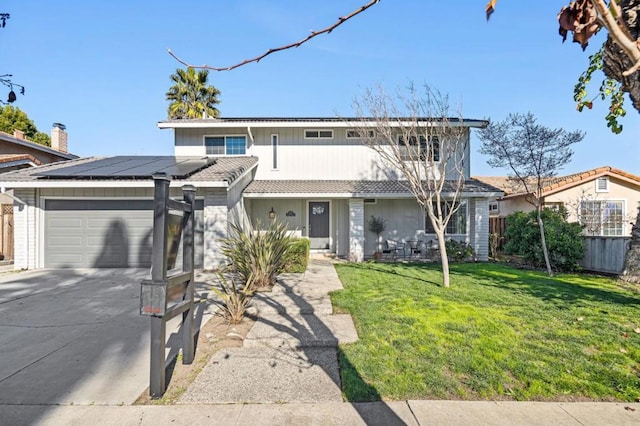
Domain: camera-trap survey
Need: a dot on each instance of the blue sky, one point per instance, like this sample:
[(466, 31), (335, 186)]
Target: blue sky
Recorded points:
[(101, 67)]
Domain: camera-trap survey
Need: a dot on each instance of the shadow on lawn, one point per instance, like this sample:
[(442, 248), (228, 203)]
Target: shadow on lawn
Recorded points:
[(559, 290), (398, 270)]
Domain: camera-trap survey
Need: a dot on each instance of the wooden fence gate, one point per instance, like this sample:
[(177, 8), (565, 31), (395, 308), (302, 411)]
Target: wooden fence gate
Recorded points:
[(6, 231)]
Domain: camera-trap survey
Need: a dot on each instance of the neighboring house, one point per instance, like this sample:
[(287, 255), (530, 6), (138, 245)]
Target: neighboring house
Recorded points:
[(605, 200), (312, 173), (16, 152)]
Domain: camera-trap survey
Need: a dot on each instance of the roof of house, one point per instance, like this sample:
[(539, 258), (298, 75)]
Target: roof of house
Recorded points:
[(36, 146), (224, 170), (308, 121), (514, 188), (354, 188)]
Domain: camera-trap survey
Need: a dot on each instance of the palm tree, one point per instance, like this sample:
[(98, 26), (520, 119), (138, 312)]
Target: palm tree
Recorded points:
[(190, 96)]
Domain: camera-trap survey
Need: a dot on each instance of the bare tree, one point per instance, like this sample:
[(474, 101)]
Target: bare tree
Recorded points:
[(532, 153), (415, 134)]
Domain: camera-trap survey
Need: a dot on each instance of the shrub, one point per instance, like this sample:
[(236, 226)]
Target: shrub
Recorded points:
[(234, 300), (564, 240), (458, 251), (257, 257), (297, 256)]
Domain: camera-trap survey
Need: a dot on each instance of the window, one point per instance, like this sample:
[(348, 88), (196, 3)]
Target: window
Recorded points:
[(274, 149), (457, 224), (358, 134), (494, 207), (413, 147), (318, 134), (602, 184), (225, 145), (604, 218)]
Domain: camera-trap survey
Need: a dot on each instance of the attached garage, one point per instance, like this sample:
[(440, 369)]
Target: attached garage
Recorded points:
[(113, 233)]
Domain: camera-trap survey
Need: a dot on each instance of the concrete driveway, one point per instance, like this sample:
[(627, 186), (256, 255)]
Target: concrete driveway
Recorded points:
[(73, 337)]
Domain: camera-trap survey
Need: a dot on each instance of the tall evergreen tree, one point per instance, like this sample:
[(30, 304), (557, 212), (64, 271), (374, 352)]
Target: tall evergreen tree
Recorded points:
[(191, 96)]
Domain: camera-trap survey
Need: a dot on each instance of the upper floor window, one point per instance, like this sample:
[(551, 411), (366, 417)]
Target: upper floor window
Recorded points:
[(225, 145), (602, 184), (318, 134), (413, 148), (360, 134), (601, 217), (494, 207)]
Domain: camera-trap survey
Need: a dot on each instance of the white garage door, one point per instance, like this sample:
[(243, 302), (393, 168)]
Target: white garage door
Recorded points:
[(104, 233)]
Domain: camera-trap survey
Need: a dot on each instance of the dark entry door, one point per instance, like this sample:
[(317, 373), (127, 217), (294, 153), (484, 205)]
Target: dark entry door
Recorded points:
[(319, 224)]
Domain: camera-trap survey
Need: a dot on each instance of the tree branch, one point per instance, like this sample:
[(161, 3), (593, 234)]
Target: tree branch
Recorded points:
[(313, 34), (617, 33)]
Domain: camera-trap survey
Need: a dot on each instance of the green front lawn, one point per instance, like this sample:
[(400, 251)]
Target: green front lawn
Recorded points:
[(496, 333)]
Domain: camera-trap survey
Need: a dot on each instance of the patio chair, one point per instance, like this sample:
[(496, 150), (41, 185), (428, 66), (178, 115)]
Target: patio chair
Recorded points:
[(392, 248)]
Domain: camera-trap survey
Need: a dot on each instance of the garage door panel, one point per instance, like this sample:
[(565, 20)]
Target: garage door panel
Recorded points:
[(104, 233)]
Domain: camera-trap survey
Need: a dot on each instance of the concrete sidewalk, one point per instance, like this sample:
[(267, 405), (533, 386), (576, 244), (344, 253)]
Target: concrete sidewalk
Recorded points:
[(286, 373)]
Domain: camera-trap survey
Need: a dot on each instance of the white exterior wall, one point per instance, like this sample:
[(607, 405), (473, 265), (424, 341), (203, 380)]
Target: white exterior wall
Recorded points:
[(356, 230), (25, 229), (479, 211), (299, 158)]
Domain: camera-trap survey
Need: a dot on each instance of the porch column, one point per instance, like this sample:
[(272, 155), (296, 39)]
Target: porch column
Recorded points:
[(356, 230), (215, 227), (481, 229)]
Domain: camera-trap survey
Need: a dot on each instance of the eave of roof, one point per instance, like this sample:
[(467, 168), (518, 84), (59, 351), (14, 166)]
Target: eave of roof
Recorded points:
[(33, 145), (223, 174), (344, 122), (353, 189)]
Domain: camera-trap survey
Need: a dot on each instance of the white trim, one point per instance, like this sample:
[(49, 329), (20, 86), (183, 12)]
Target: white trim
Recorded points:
[(220, 124), (319, 137), (225, 136), (383, 195)]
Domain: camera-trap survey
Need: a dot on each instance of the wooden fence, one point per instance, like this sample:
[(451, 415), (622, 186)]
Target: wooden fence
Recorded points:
[(6, 231), (497, 226), (605, 254)]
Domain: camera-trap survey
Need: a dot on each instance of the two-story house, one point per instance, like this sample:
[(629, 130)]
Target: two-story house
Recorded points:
[(315, 174)]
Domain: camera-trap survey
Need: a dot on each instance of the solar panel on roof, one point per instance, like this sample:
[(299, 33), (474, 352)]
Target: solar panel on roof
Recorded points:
[(131, 167)]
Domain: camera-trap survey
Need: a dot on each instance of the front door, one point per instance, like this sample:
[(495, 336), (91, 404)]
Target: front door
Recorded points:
[(319, 224)]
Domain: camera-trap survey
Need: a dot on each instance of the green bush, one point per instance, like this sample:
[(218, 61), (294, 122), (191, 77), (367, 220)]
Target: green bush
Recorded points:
[(257, 257), (564, 240), (458, 251), (297, 256)]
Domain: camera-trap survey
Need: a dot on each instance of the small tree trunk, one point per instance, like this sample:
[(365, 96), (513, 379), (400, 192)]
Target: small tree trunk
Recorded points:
[(631, 270), (543, 240), (443, 258)]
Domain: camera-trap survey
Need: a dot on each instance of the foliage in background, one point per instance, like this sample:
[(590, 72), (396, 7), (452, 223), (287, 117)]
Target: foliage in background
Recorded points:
[(233, 300), (564, 240), (459, 251), (533, 154), (191, 96), (297, 256), (498, 333), (12, 118), (257, 256)]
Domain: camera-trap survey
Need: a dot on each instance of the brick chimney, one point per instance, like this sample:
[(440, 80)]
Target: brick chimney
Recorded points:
[(59, 137), (18, 134)]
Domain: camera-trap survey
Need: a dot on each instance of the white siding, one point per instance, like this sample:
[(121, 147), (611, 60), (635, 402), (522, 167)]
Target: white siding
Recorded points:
[(25, 229), (299, 158)]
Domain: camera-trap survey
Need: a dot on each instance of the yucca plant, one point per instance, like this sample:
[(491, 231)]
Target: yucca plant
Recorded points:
[(258, 256), (234, 300)]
